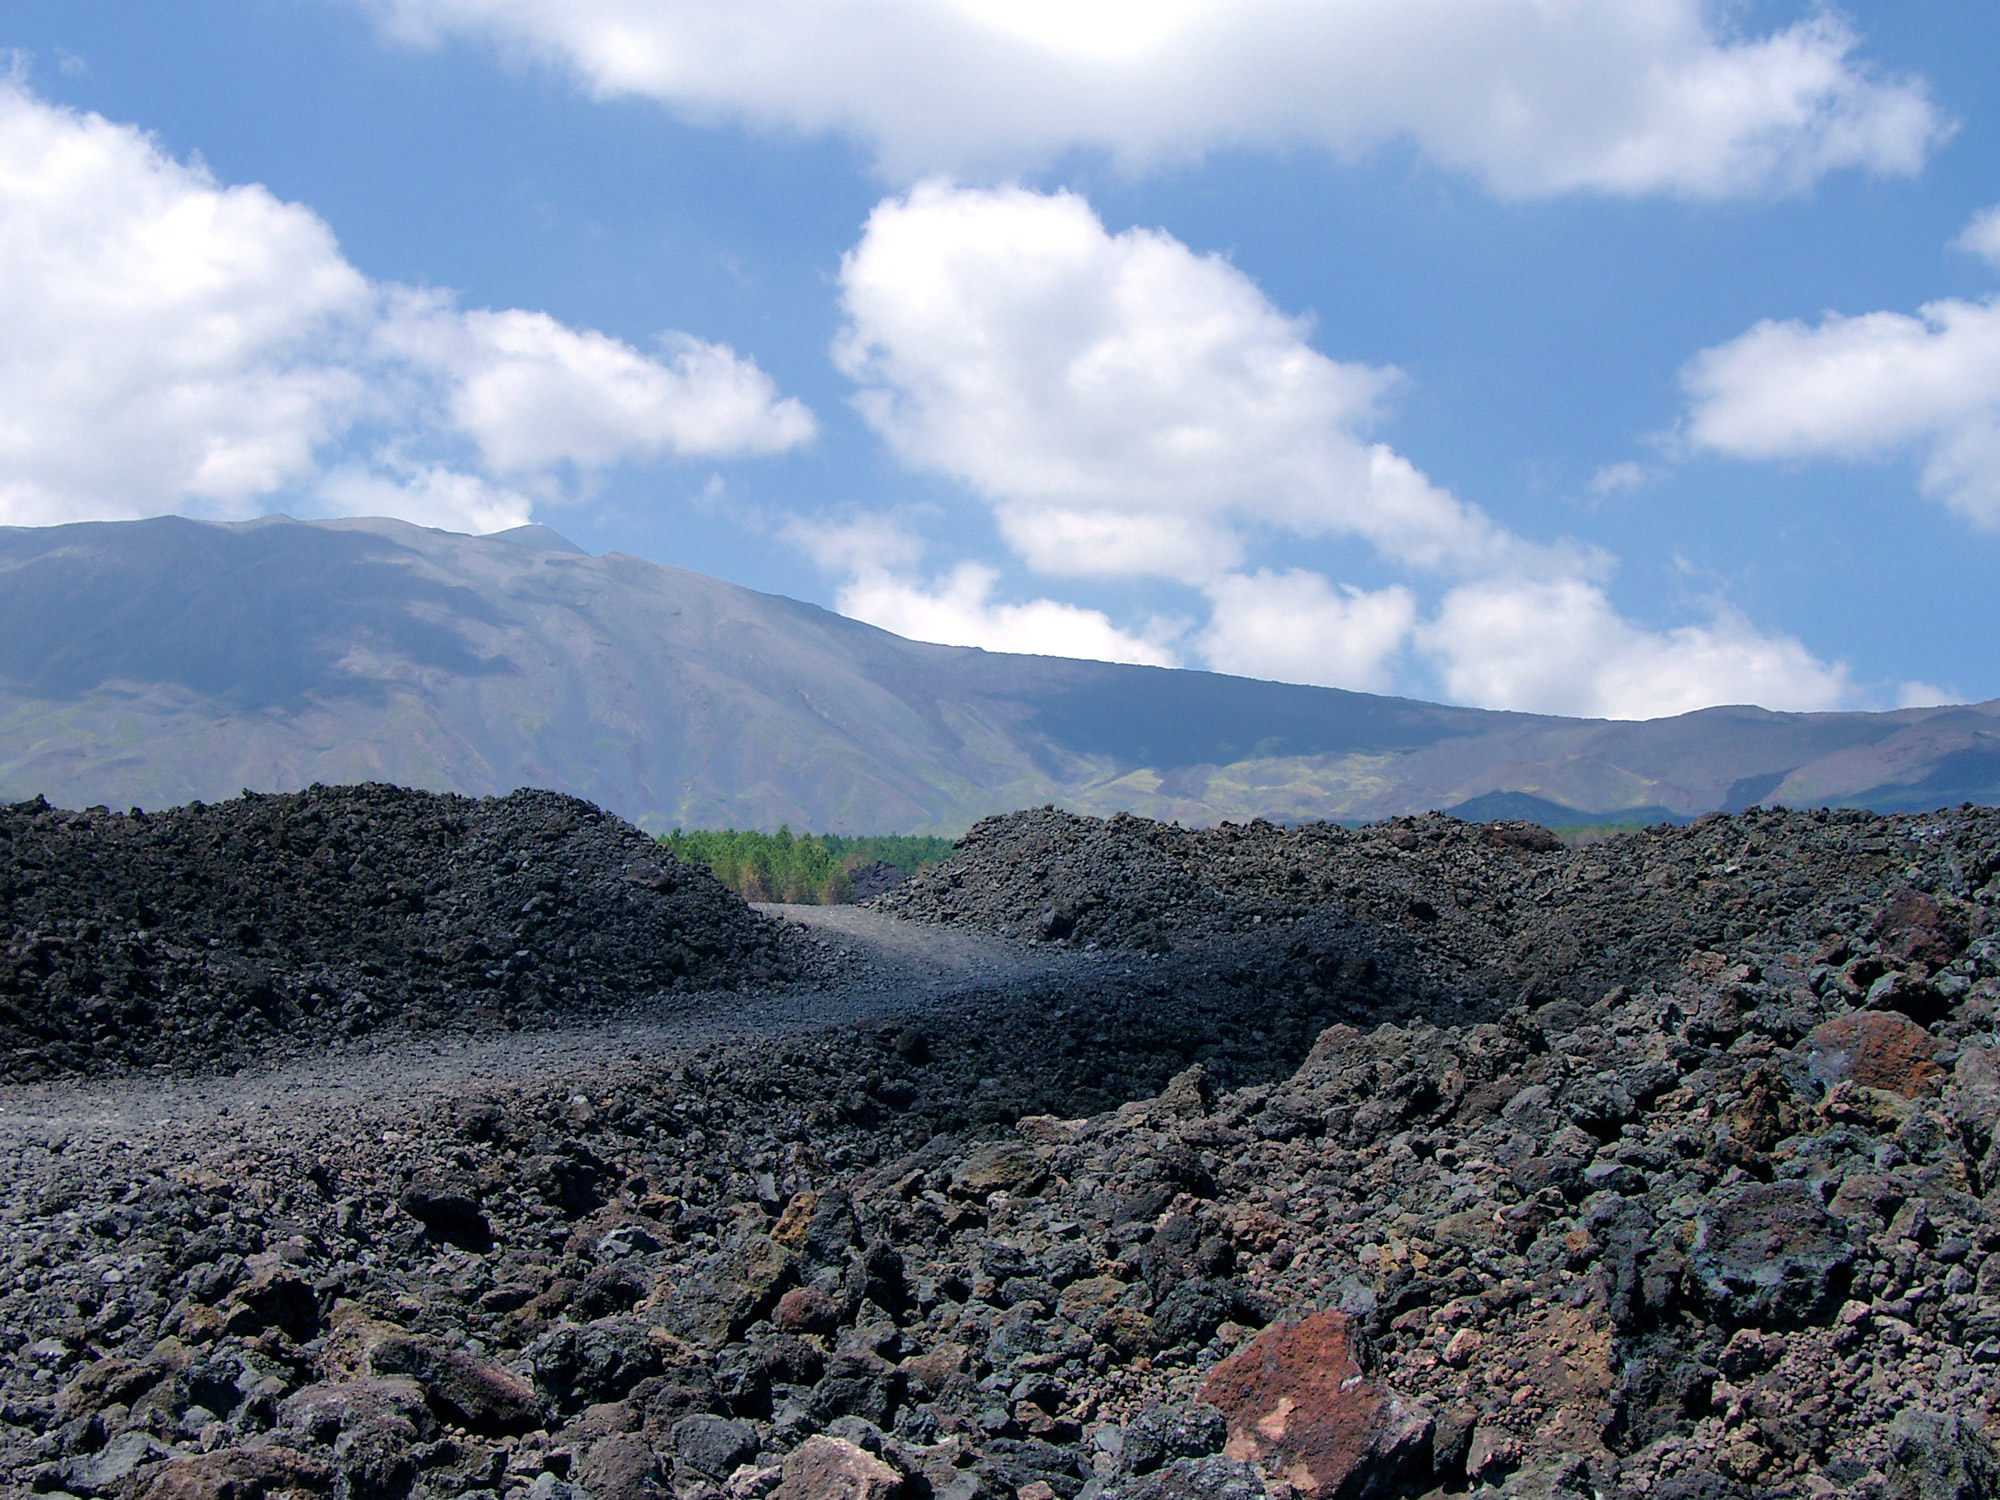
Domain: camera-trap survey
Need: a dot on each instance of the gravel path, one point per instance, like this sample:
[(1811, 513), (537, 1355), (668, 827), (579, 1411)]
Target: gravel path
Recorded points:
[(888, 968)]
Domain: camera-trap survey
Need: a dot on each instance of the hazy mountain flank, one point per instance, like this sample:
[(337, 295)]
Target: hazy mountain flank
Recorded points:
[(153, 662)]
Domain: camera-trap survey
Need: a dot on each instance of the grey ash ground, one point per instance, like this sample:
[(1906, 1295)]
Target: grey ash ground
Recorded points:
[(1108, 1160)]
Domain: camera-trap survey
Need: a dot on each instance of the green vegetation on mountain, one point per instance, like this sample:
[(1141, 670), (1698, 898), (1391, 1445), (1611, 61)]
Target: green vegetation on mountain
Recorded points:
[(810, 868)]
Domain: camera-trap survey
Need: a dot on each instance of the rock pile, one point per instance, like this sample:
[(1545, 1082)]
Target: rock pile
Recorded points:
[(1434, 909), (1724, 1229), (203, 934)]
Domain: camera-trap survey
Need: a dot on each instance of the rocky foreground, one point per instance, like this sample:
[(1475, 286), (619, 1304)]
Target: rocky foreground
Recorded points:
[(1666, 1176)]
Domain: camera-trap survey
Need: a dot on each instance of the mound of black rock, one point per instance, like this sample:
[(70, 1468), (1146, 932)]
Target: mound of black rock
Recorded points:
[(204, 934), (1443, 908)]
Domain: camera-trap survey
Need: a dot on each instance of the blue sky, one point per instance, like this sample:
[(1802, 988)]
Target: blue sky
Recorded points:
[(1568, 360)]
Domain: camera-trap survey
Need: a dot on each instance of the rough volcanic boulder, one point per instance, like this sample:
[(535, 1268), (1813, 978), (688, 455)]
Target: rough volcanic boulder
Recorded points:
[(1770, 1256), (830, 1468), (1298, 1401), (1876, 1050)]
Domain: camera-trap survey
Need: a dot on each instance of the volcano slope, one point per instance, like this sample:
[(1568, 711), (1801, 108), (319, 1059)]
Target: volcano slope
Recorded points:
[(1429, 1157)]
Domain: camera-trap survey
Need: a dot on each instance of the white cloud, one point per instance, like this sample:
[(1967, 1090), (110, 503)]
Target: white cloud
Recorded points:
[(1296, 627), (1126, 405), (1926, 695), (856, 544), (959, 611), (1864, 387), (432, 496), (1982, 236), (172, 343), (1531, 96), (1560, 647), (167, 340), (1612, 478), (534, 394)]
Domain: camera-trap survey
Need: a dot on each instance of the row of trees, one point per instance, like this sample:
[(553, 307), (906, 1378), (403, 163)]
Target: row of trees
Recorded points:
[(811, 868)]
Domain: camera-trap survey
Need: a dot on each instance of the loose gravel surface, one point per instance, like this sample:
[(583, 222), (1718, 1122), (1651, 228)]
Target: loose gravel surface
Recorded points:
[(1105, 1160)]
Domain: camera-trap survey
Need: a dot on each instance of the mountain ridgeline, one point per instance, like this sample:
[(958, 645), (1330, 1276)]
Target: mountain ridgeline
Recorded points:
[(156, 662)]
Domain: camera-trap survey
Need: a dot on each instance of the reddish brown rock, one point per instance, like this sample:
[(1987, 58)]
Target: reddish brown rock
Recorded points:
[(472, 1392), (1006, 1167), (622, 1467), (933, 1372), (240, 1474), (1876, 1050), (1921, 929), (826, 1468), (276, 1295), (806, 1309), (790, 1230), (1299, 1402)]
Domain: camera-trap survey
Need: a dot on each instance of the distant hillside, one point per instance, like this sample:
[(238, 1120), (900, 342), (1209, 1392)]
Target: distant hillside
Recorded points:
[(154, 662)]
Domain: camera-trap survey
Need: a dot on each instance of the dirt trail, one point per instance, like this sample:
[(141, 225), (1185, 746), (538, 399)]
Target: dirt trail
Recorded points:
[(932, 959), (886, 967)]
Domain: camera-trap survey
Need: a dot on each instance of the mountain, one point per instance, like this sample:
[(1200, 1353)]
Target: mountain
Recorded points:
[(155, 662)]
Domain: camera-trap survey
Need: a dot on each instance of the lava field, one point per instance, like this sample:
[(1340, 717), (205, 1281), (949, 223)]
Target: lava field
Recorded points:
[(1422, 1159)]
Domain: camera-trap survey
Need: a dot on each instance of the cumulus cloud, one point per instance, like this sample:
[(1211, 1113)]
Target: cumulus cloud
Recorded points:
[(1864, 387), (173, 343), (1982, 236), (534, 394), (1533, 98), (959, 610), (1926, 695), (167, 339), (1295, 626), (1561, 647), (427, 495), (881, 557), (1126, 405)]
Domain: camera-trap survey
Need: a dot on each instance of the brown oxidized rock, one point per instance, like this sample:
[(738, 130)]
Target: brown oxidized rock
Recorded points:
[(827, 1468), (1006, 1167), (790, 1230), (741, 1287), (478, 1395), (276, 1295), (806, 1309), (109, 1380), (239, 1474), (1299, 1402), (1876, 1050), (1921, 929), (621, 1467)]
